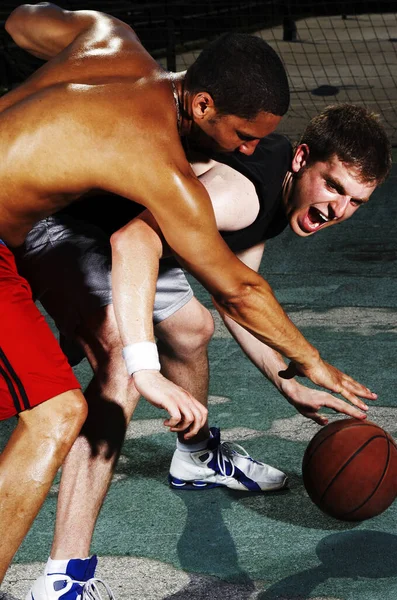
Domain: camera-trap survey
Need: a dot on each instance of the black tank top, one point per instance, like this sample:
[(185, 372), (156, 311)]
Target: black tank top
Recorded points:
[(266, 168)]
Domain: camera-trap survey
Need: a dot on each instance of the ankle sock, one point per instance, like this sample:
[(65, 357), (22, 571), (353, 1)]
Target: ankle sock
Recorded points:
[(57, 566), (192, 447)]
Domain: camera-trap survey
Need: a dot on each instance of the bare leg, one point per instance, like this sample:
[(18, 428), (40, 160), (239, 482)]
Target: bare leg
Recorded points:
[(112, 398), (29, 463), (88, 469), (182, 342)]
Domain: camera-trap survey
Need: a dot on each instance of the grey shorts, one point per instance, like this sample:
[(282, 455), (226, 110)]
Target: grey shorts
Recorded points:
[(68, 265)]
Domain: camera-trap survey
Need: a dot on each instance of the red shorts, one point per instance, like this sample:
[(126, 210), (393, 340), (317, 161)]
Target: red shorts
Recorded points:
[(32, 366)]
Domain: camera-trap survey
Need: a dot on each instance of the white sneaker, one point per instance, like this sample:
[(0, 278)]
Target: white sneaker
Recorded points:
[(222, 464), (78, 583)]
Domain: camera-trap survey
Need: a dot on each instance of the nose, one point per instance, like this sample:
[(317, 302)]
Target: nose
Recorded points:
[(339, 206), (248, 148)]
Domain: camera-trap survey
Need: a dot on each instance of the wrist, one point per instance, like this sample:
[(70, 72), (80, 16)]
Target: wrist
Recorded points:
[(289, 388), (142, 356), (311, 358)]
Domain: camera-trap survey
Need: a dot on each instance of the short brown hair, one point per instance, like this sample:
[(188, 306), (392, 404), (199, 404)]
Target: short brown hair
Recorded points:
[(355, 135)]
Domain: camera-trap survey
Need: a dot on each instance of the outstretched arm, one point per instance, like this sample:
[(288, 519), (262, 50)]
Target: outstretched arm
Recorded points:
[(188, 225), (182, 209), (306, 400), (136, 250)]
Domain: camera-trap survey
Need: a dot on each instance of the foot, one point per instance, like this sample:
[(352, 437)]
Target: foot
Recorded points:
[(77, 584), (223, 464)]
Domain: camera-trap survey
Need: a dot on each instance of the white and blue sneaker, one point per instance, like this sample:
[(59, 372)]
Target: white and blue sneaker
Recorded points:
[(222, 464), (78, 583)]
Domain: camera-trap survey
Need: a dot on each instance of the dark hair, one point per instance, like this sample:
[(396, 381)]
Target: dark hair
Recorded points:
[(243, 74), (355, 136)]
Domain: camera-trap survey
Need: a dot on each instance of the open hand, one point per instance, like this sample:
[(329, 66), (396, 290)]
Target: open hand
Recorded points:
[(308, 402), (325, 375)]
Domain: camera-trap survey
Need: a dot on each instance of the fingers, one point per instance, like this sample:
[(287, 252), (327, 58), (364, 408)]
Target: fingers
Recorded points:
[(186, 413), (316, 417), (336, 381), (343, 407), (355, 389), (319, 419)]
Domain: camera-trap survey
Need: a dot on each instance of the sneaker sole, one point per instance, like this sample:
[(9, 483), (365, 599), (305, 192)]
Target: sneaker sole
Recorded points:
[(180, 484)]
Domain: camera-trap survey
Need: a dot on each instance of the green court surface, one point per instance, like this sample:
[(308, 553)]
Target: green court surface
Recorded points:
[(154, 543)]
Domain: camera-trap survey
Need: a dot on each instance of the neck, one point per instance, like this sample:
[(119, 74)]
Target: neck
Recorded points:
[(184, 105)]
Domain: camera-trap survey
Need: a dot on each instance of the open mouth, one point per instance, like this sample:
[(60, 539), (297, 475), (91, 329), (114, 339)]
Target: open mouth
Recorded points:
[(313, 220)]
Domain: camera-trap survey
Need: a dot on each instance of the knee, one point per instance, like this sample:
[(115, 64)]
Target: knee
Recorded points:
[(67, 417), (58, 421), (74, 411), (201, 330), (191, 335)]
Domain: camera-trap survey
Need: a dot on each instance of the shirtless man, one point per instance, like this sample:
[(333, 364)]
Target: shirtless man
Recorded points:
[(252, 197), (102, 114)]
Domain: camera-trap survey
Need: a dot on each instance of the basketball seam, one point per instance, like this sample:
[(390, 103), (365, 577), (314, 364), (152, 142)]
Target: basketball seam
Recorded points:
[(349, 461), (359, 424), (379, 483)]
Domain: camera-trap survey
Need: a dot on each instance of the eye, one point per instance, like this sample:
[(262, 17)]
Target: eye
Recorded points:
[(355, 202), (245, 138), (330, 185)]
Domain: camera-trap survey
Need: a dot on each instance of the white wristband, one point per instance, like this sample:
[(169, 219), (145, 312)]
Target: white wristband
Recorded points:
[(141, 356)]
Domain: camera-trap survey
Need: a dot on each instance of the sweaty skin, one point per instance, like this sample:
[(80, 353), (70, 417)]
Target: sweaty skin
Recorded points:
[(101, 114), (331, 189)]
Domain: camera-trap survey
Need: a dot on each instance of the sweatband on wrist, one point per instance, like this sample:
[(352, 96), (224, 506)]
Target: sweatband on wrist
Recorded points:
[(141, 356)]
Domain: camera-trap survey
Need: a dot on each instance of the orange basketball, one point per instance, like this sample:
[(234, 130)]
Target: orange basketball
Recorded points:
[(350, 469)]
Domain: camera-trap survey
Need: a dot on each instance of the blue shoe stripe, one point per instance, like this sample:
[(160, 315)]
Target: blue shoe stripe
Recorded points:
[(249, 483)]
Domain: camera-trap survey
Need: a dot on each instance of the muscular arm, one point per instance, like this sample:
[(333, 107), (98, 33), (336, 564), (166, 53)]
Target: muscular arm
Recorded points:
[(45, 29), (187, 222)]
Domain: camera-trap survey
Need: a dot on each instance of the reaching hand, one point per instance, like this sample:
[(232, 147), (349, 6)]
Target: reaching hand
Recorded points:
[(308, 402), (323, 374), (185, 411)]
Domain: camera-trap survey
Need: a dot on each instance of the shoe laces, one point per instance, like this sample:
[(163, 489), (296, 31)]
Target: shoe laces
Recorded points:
[(225, 453), (91, 590)]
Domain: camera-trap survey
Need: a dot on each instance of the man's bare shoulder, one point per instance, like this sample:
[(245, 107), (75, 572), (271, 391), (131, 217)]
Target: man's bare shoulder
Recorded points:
[(109, 51)]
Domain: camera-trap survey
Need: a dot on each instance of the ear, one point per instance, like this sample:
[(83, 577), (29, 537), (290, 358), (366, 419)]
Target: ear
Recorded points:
[(203, 106), (300, 158)]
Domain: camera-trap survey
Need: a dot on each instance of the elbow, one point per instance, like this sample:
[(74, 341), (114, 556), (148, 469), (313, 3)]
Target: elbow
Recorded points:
[(15, 25), (12, 24)]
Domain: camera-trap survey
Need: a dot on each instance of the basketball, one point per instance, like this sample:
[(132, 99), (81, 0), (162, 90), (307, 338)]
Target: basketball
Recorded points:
[(350, 469)]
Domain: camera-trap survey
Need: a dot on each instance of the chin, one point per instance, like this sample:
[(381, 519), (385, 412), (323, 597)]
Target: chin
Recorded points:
[(294, 225)]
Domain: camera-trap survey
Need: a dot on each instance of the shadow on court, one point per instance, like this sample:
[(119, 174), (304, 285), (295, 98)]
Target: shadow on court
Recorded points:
[(207, 546), (349, 556)]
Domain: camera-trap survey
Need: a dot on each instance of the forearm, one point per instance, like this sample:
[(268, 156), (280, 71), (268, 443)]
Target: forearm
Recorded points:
[(189, 227), (45, 29), (135, 263), (268, 361), (257, 310)]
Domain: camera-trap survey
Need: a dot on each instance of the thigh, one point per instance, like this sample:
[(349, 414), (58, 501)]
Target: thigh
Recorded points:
[(68, 265), (173, 291), (33, 368)]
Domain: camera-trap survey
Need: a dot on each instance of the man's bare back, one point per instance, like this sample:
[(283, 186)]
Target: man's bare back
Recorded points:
[(54, 148)]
